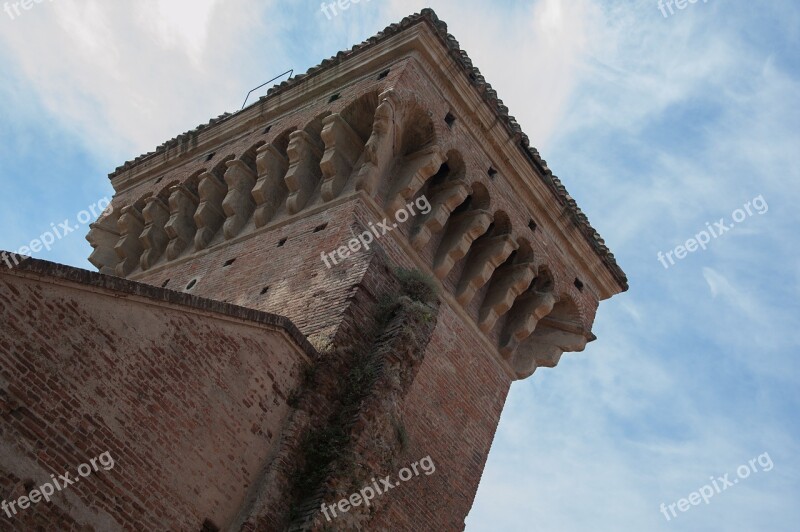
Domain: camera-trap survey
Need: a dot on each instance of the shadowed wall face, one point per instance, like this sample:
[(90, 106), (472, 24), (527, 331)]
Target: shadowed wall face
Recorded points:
[(187, 401)]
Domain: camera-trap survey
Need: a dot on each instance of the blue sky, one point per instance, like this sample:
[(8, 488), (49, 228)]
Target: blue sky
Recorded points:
[(657, 125)]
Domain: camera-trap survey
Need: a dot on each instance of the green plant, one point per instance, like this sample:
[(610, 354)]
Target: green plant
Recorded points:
[(417, 285)]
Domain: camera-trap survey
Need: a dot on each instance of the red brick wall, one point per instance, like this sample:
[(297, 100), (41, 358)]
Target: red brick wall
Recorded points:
[(188, 396), (300, 286), (451, 413)]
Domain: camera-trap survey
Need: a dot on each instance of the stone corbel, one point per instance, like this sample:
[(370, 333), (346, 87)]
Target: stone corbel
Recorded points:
[(510, 281), (528, 309), (379, 151), (416, 169), (209, 215), (486, 255), (181, 227), (129, 247), (545, 346), (154, 237), (238, 204), (463, 229), (270, 190), (444, 199), (304, 171), (103, 237), (343, 147)]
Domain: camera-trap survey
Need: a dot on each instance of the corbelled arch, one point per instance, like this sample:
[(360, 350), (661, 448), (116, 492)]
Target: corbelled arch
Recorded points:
[(445, 191), (345, 136), (508, 281), (486, 253), (403, 145), (529, 307), (466, 223)]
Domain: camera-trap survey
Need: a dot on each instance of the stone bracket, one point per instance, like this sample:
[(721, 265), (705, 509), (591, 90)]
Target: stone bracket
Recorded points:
[(154, 238), (379, 151), (209, 215), (523, 320), (103, 237), (445, 199), (270, 190), (181, 227), (343, 147), (415, 171), (304, 171), (129, 247), (463, 229), (238, 204), (486, 255), (510, 282), (544, 349)]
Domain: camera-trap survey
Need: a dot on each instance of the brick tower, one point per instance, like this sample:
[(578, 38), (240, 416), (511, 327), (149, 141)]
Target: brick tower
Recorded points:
[(389, 207)]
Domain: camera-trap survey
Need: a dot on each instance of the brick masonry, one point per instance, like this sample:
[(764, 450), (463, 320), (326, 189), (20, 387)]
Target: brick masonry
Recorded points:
[(198, 382), (188, 397)]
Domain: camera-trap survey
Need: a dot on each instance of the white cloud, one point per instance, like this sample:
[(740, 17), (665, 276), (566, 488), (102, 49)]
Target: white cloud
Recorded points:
[(549, 43), (128, 76)]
